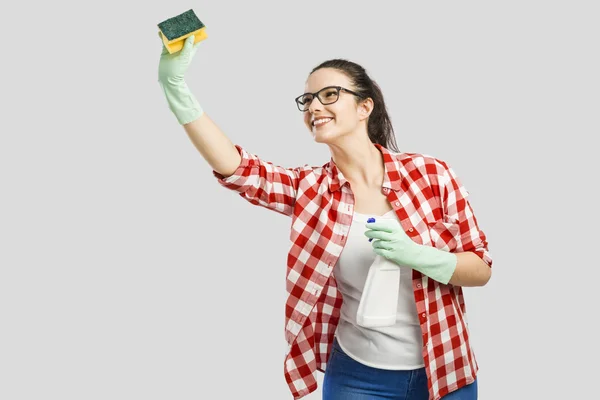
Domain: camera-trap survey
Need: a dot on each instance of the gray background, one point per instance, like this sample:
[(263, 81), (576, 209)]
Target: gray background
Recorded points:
[(127, 272)]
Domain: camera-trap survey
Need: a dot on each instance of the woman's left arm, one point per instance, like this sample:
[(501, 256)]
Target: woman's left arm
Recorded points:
[(470, 270), (466, 262), (474, 262)]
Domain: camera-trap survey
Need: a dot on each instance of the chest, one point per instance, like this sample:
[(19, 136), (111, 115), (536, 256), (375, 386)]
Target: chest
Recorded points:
[(370, 201)]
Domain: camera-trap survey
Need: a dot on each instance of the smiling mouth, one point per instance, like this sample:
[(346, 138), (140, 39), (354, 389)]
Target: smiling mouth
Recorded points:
[(321, 121)]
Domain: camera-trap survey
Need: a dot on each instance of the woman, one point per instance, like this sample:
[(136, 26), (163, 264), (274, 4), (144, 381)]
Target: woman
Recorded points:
[(423, 223)]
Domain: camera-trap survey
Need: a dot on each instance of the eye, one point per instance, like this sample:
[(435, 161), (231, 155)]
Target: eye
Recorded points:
[(305, 99), (330, 93)]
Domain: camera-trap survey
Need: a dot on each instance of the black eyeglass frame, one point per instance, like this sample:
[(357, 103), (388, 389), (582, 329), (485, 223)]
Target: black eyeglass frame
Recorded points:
[(316, 95)]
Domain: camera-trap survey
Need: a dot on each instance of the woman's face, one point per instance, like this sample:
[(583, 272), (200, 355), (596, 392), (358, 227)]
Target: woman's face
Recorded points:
[(327, 123)]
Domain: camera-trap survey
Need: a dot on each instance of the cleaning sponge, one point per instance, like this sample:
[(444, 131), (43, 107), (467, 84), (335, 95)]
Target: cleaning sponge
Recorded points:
[(175, 30)]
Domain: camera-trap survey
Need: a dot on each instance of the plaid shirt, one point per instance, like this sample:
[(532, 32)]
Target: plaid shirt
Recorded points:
[(433, 209)]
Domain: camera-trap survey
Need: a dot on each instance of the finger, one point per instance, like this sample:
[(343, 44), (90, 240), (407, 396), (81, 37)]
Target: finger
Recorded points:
[(381, 245), (187, 46), (384, 225), (382, 253), (375, 234)]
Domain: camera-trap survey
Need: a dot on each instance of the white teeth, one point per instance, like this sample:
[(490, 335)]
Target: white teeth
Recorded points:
[(321, 121)]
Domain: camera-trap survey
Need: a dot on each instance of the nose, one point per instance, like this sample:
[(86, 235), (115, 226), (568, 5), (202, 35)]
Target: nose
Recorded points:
[(315, 105)]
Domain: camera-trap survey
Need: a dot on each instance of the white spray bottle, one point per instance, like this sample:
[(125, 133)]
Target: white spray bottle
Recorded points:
[(379, 301)]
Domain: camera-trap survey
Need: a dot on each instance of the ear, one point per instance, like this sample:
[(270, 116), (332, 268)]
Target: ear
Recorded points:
[(365, 107)]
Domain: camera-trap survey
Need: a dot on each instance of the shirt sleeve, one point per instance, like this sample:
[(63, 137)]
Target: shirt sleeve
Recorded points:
[(262, 183), (458, 209)]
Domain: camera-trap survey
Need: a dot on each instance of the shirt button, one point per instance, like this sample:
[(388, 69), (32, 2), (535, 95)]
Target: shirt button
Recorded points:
[(385, 190), (397, 203), (418, 286), (410, 229), (423, 315)]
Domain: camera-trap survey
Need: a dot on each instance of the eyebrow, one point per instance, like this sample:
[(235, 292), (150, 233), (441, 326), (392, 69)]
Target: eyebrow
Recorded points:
[(326, 86)]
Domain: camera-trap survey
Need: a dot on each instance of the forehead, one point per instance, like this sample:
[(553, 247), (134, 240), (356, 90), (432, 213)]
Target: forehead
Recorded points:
[(326, 77)]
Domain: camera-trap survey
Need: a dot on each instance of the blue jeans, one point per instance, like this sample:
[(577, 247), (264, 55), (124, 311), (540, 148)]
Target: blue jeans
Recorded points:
[(347, 379)]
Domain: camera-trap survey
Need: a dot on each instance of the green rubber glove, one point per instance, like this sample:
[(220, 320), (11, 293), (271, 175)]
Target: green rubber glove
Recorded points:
[(171, 71), (394, 244)]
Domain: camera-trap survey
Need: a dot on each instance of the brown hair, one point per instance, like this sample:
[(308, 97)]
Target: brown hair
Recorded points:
[(379, 125)]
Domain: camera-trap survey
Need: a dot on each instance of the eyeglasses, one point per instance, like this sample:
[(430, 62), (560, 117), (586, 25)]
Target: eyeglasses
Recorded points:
[(327, 95)]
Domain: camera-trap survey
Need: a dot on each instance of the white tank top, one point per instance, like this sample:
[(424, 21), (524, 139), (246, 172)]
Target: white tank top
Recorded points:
[(397, 347)]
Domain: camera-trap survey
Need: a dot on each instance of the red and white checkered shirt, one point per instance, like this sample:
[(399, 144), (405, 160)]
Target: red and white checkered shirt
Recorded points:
[(433, 209)]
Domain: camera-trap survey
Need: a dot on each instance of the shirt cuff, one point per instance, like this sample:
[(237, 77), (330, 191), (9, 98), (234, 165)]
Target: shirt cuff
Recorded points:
[(237, 176)]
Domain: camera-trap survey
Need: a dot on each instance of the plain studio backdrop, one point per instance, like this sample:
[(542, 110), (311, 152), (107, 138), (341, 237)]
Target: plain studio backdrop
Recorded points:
[(127, 272)]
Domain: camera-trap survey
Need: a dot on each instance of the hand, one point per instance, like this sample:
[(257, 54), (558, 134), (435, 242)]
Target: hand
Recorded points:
[(172, 67), (171, 73), (394, 244)]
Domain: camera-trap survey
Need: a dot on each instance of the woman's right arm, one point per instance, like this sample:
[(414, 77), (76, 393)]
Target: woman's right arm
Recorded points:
[(216, 148), (211, 142), (260, 182)]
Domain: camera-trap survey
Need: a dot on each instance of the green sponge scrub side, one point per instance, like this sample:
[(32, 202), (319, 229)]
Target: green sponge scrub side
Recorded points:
[(180, 25)]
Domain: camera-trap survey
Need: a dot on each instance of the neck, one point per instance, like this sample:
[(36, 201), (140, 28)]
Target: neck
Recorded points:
[(359, 160)]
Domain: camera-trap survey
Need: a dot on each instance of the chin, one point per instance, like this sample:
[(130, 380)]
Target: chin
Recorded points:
[(325, 136)]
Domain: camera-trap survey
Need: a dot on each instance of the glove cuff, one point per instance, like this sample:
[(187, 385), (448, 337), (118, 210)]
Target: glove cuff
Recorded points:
[(182, 102), (435, 263)]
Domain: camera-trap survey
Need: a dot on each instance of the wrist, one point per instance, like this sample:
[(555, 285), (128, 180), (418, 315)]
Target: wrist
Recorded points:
[(182, 103), (435, 263)]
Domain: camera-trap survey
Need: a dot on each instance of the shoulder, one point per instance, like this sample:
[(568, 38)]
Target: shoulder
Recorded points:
[(436, 172), (417, 163), (424, 169)]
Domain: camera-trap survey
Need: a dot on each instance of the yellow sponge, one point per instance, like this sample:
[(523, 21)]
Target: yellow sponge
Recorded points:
[(175, 30)]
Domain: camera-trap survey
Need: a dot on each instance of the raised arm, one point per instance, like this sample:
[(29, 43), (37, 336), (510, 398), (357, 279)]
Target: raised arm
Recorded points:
[(258, 181), (211, 142), (215, 147)]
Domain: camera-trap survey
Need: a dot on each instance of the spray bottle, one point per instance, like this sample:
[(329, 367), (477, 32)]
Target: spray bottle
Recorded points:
[(379, 301)]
